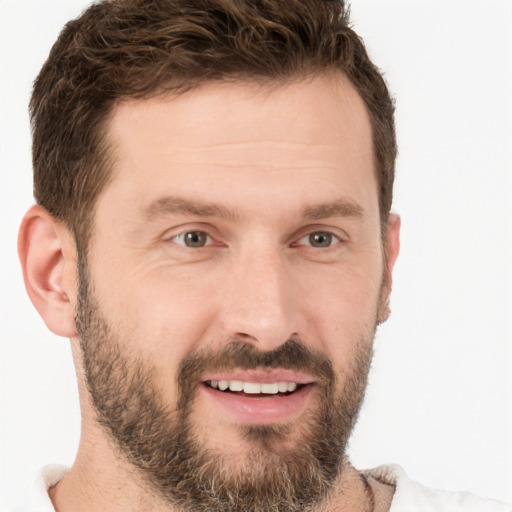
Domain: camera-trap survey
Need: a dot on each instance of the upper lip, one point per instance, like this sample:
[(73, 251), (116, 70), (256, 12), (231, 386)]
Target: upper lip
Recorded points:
[(261, 376)]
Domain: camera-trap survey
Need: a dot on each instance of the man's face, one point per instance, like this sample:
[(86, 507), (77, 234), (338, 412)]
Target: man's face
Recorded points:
[(237, 245)]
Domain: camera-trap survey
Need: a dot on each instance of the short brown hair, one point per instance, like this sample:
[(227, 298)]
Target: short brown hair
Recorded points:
[(141, 48)]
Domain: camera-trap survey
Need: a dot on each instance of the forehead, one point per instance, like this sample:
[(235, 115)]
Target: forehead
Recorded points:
[(322, 109), (284, 137)]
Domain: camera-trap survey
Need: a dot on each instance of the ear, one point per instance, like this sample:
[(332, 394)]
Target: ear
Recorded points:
[(391, 248), (48, 259)]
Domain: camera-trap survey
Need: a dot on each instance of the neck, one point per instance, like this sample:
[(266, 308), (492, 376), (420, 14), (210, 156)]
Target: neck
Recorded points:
[(100, 480)]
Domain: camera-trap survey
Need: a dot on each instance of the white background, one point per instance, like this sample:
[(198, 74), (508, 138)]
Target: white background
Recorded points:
[(439, 401)]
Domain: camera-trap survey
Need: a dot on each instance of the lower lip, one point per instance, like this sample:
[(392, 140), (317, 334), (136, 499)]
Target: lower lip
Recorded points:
[(260, 410)]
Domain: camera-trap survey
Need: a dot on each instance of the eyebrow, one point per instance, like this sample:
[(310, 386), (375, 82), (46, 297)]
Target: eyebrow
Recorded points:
[(178, 206), (340, 208), (172, 205)]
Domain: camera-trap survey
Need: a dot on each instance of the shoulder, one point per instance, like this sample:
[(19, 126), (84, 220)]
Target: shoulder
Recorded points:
[(38, 500), (410, 496)]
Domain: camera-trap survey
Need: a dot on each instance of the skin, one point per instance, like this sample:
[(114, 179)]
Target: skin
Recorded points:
[(265, 156)]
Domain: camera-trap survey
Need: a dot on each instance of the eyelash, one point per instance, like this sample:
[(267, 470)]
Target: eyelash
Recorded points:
[(185, 233), (331, 237)]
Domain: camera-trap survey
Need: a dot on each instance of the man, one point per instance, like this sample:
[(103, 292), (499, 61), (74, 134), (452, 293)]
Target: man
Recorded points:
[(213, 233)]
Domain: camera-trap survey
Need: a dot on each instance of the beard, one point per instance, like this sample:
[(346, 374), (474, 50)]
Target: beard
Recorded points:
[(287, 468)]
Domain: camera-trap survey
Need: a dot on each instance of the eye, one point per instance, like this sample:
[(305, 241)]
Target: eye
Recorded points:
[(319, 239), (192, 239)]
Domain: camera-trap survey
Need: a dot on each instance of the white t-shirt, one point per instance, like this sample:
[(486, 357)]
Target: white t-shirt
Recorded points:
[(409, 495)]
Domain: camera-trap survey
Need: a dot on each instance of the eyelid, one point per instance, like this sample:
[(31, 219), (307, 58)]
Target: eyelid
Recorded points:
[(171, 234), (209, 239), (336, 239), (339, 234)]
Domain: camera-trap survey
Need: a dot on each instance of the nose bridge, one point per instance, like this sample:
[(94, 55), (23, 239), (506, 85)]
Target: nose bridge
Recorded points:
[(261, 308)]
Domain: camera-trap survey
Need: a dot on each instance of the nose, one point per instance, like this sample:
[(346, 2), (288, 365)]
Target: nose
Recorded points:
[(260, 305)]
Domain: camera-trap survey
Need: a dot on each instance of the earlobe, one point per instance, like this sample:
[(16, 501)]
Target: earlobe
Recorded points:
[(391, 248), (47, 254)]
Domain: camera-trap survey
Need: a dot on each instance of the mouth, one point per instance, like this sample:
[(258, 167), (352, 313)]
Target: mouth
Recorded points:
[(259, 398), (254, 389)]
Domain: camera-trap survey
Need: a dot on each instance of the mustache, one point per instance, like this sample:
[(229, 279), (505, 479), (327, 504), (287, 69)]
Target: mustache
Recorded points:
[(291, 355)]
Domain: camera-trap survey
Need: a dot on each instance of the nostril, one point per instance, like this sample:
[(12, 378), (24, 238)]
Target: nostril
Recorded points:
[(242, 336)]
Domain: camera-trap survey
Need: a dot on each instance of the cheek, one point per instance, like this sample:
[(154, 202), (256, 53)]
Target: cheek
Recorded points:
[(343, 308), (161, 315)]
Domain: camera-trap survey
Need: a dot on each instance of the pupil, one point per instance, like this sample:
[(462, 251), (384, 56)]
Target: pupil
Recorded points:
[(320, 239), (195, 239)]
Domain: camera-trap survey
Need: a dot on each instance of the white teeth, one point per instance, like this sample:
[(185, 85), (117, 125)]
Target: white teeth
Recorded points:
[(236, 385), (271, 389), (254, 388), (282, 387)]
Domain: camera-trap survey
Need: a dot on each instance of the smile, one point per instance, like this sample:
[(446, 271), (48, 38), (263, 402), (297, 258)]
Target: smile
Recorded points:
[(253, 388), (259, 397)]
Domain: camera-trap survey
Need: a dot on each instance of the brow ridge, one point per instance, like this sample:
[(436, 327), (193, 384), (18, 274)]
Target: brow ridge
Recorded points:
[(339, 208), (172, 205), (179, 206)]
